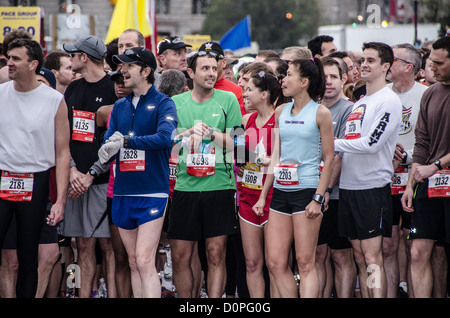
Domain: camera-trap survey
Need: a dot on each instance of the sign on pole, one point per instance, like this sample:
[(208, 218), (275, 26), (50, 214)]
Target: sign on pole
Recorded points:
[(24, 18)]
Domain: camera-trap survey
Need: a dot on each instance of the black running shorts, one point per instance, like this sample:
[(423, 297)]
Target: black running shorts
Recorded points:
[(365, 214), (198, 215)]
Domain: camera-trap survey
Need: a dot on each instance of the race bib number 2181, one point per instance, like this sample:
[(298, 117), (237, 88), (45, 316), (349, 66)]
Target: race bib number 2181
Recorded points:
[(16, 186)]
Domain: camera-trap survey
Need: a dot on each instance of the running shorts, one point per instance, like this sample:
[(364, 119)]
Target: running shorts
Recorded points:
[(399, 213), (365, 214), (204, 214), (329, 229), (83, 215), (291, 202), (246, 214), (49, 234), (431, 216), (129, 212)]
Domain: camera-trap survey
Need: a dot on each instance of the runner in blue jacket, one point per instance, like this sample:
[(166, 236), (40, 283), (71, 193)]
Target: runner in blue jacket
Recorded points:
[(139, 136)]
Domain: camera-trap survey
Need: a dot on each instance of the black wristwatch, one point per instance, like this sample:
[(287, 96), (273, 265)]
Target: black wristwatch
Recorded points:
[(318, 198), (438, 164), (93, 173), (125, 141), (329, 190), (405, 156)]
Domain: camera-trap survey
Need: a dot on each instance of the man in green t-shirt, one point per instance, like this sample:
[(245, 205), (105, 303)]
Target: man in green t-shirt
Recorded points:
[(203, 204)]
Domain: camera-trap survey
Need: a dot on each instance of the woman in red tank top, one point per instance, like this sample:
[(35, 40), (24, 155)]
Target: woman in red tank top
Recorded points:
[(262, 92)]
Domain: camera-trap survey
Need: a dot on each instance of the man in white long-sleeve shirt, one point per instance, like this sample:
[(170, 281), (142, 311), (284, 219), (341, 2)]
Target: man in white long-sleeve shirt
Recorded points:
[(367, 152)]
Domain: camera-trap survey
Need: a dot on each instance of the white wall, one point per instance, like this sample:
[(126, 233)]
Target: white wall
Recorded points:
[(349, 38)]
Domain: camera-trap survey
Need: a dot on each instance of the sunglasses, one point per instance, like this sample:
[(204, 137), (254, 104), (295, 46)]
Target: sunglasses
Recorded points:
[(133, 54), (212, 53), (399, 59), (262, 75)]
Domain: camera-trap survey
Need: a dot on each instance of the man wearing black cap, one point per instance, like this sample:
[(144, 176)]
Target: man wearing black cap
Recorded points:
[(140, 137), (172, 54), (222, 83), (88, 183)]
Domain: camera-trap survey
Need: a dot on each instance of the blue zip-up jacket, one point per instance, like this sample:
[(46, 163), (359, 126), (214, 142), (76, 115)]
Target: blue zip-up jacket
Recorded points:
[(150, 126)]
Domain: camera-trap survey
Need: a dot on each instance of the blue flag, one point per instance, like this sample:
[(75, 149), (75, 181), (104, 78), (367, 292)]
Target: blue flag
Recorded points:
[(238, 36)]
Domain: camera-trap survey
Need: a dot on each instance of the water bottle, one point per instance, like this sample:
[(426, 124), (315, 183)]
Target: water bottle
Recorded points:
[(239, 146)]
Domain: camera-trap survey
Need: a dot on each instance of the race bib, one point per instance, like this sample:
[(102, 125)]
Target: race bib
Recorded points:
[(172, 168), (439, 184), (16, 186), (202, 162), (131, 160), (286, 173), (399, 180), (83, 126), (253, 176), (353, 125)]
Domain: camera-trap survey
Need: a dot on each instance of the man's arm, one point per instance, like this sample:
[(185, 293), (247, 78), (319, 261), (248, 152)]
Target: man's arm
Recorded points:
[(387, 121), (62, 160)]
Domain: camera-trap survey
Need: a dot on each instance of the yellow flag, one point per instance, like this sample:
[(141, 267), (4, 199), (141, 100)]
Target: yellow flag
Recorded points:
[(129, 14)]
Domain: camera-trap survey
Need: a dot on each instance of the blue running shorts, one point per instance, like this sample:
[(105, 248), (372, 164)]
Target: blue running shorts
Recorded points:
[(129, 212)]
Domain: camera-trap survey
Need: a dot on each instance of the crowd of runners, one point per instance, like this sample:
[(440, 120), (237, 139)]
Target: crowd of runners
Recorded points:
[(308, 172)]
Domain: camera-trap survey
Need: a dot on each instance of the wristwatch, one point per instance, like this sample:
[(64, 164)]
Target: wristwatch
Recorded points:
[(318, 198), (211, 134), (93, 173), (405, 156), (438, 164), (125, 141)]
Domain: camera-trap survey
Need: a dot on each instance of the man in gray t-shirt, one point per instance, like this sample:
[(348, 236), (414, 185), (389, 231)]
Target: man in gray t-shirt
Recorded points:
[(341, 248)]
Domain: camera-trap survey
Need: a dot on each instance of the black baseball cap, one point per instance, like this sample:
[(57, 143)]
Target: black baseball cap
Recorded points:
[(91, 45), (136, 54), (212, 46), (172, 43)]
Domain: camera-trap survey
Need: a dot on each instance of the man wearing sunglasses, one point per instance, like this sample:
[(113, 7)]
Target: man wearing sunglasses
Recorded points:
[(88, 182), (203, 204), (407, 61), (140, 137), (221, 82)]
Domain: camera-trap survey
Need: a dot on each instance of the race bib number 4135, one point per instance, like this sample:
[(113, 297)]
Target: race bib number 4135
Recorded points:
[(83, 128)]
